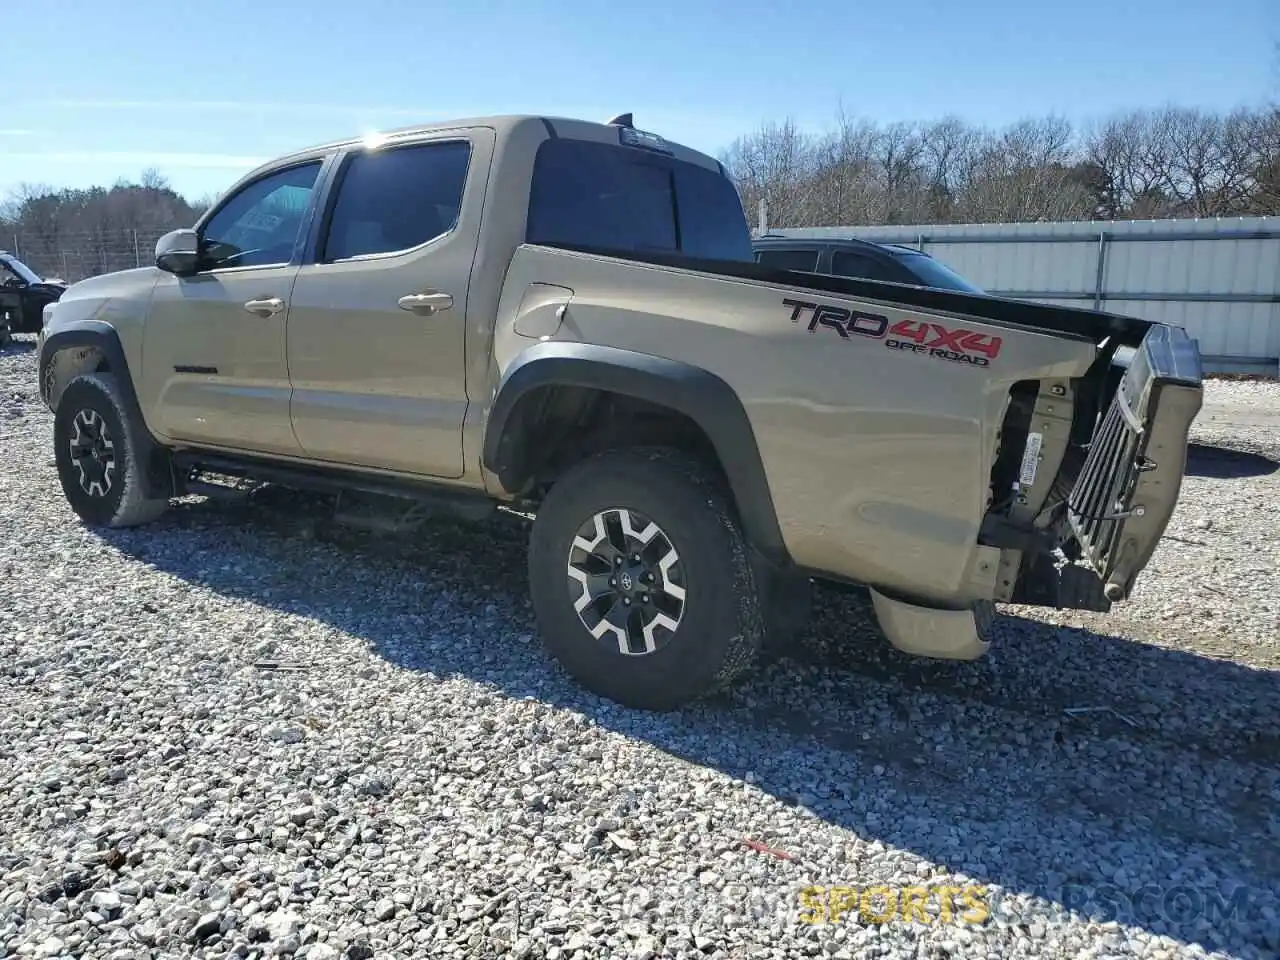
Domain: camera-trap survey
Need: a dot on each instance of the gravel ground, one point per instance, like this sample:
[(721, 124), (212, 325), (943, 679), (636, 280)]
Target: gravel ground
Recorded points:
[(242, 733)]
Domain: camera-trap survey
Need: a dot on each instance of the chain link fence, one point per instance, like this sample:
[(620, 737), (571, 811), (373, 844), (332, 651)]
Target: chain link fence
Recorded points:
[(75, 255)]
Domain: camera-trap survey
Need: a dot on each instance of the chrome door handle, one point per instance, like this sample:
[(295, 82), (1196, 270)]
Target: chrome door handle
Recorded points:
[(425, 302), (266, 308)]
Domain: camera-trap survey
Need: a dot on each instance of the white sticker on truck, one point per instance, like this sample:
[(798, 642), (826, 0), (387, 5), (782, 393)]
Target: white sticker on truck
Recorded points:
[(1030, 459)]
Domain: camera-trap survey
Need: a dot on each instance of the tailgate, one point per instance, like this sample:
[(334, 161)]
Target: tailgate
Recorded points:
[(1128, 487)]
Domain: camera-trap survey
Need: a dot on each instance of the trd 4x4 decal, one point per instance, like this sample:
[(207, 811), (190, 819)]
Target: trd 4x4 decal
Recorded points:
[(913, 336)]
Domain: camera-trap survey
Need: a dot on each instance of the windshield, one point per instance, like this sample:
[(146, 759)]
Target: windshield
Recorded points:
[(19, 268), (935, 274)]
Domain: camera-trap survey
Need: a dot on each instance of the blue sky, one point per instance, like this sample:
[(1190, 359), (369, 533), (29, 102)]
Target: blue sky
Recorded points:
[(203, 91)]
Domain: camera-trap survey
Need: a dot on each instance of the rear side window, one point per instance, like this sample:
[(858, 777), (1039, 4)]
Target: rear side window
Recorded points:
[(395, 199), (790, 259), (587, 194), (846, 264)]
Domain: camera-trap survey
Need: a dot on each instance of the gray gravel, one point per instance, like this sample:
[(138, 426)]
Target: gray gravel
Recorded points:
[(242, 733)]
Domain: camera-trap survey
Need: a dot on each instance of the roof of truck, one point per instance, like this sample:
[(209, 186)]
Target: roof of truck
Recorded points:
[(501, 123)]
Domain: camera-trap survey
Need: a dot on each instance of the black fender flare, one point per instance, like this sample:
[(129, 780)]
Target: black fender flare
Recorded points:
[(702, 396), (157, 479)]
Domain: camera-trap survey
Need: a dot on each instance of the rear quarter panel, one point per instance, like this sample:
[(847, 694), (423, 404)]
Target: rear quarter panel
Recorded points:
[(877, 459)]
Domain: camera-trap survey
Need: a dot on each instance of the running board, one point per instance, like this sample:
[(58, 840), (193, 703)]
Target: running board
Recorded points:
[(427, 497), (930, 632)]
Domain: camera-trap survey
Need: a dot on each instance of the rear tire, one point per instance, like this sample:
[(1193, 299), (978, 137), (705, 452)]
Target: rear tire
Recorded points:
[(640, 579), (97, 454)]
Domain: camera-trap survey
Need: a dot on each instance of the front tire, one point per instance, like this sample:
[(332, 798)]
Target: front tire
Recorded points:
[(97, 455), (640, 580)]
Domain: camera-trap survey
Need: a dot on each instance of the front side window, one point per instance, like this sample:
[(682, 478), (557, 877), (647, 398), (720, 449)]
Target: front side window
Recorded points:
[(259, 226), (395, 199)]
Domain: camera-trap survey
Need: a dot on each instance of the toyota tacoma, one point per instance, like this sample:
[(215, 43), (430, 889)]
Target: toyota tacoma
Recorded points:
[(564, 319)]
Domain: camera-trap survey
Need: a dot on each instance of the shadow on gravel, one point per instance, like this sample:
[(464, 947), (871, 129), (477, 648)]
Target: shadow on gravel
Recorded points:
[(1223, 463), (1158, 815)]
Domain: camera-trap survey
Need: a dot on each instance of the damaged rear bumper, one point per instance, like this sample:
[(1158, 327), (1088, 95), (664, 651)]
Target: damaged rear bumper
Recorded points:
[(1088, 528), (1128, 488)]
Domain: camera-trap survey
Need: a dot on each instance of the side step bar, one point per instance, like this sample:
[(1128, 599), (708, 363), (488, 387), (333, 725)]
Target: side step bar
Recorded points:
[(465, 504)]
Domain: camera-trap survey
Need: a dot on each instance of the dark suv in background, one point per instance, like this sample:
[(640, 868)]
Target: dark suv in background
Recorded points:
[(847, 257), (23, 295)]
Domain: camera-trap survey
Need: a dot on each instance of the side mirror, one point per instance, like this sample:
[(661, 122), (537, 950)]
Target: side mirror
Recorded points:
[(178, 252)]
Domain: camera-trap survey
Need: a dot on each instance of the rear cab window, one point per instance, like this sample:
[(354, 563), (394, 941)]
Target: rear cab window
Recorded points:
[(630, 200)]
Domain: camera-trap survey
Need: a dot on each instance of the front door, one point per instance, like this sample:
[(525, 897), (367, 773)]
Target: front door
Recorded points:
[(377, 324), (214, 347)]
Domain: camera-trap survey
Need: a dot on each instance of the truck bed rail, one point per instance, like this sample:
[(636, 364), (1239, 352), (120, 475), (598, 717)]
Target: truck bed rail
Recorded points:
[(1094, 325)]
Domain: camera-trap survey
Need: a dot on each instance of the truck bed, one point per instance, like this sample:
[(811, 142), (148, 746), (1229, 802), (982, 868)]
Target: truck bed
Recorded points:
[(907, 468), (1092, 325)]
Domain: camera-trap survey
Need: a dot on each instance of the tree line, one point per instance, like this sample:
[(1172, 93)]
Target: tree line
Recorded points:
[(85, 232), (1169, 162)]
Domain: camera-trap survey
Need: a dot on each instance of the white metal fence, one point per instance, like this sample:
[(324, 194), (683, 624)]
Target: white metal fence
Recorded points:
[(1218, 278)]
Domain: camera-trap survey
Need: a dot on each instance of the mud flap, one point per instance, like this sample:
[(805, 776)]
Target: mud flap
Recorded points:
[(930, 632)]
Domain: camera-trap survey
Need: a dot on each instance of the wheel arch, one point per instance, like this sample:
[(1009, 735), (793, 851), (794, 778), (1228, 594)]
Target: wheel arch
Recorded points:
[(93, 346), (690, 392)]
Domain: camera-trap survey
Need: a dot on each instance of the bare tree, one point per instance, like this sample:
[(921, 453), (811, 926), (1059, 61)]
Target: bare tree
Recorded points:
[(79, 233), (774, 163)]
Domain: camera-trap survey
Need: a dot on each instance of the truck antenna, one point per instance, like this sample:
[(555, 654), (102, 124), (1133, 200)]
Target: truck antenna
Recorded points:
[(622, 120)]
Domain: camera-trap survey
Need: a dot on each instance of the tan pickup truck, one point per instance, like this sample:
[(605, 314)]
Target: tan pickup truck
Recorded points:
[(565, 318)]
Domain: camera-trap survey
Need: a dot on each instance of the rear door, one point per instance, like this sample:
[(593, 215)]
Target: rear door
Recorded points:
[(377, 319)]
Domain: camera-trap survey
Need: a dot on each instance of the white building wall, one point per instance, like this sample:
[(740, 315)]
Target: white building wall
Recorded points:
[(1218, 278)]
